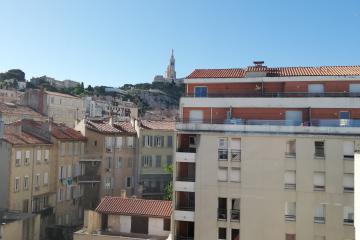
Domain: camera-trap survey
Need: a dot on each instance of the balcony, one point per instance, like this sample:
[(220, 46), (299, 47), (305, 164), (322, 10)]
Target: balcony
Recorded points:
[(273, 94), (184, 186), (188, 216), (91, 158), (188, 156), (89, 179)]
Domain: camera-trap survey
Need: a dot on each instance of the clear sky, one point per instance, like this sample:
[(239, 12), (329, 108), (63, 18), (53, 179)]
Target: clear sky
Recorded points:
[(112, 42)]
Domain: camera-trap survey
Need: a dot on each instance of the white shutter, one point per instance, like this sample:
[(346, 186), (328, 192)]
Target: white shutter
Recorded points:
[(290, 177), (46, 178), (119, 142), (69, 171), (18, 154), (222, 174), (27, 154), (354, 88), (316, 88), (290, 208), (349, 180), (60, 173), (235, 174), (349, 148), (319, 179), (223, 143), (38, 155), (235, 143), (47, 154), (63, 172), (320, 211), (196, 116)]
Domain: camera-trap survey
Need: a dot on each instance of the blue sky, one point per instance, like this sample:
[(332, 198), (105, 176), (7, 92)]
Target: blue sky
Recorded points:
[(113, 42)]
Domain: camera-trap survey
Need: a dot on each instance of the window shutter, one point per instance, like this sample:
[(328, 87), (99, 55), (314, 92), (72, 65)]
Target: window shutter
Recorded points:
[(162, 141), (349, 148), (235, 144), (59, 174), (222, 174), (319, 179), (290, 177), (320, 211), (235, 175), (349, 180)]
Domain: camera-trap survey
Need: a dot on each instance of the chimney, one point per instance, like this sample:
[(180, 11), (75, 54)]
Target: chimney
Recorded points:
[(123, 193)]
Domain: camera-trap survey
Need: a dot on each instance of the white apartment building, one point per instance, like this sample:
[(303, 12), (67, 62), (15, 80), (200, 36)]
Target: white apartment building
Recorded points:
[(267, 153)]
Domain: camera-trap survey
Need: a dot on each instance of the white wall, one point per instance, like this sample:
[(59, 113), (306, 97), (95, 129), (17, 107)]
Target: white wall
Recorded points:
[(125, 224), (156, 227), (357, 194)]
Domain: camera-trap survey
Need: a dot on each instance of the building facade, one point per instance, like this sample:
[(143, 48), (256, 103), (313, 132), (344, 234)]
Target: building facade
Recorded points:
[(63, 108), (11, 96), (109, 159), (12, 112), (25, 174), (155, 153), (267, 153)]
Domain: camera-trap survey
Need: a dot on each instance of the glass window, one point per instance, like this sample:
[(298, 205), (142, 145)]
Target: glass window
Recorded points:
[(222, 174), (201, 91), (319, 149)]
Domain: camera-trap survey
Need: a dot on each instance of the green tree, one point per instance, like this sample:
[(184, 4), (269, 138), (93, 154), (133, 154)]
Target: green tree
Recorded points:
[(169, 188)]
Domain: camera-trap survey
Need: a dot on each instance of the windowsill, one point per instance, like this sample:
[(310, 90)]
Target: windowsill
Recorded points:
[(348, 191), (319, 222), (319, 190), (349, 158), (319, 157), (289, 155), (348, 224)]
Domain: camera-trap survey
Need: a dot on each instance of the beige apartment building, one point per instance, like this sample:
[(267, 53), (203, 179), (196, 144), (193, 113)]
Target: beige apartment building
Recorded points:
[(267, 153), (62, 108), (155, 152), (12, 112), (26, 162), (10, 96), (109, 159)]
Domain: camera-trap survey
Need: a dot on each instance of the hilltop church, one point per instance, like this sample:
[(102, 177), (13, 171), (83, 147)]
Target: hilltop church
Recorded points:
[(170, 74)]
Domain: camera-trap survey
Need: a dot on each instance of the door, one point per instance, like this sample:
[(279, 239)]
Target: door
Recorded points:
[(316, 88), (139, 224), (196, 116), (293, 118)]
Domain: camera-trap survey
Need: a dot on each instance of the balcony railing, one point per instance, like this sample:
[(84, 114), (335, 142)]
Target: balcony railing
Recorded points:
[(223, 155), (235, 155), (275, 94), (290, 186), (235, 215), (349, 189), (187, 150), (89, 178), (185, 206), (319, 188), (275, 122), (185, 178), (348, 221), (153, 190), (222, 214), (290, 217), (319, 219)]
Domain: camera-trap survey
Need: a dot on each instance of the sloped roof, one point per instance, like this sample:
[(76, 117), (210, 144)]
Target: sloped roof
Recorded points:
[(11, 108), (14, 135), (157, 124), (277, 71), (135, 207), (103, 126)]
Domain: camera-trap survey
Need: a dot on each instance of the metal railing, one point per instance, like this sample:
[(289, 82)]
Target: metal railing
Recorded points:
[(185, 178), (222, 214), (349, 189), (223, 155), (319, 219), (185, 206), (186, 150), (235, 155), (290, 154), (230, 94), (348, 221), (89, 178), (235, 215), (319, 188), (290, 217), (290, 186)]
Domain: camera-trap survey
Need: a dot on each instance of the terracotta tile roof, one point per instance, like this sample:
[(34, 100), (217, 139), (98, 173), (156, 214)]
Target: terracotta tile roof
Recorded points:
[(135, 207), (158, 124), (14, 109), (61, 94), (15, 136), (58, 131), (103, 126), (279, 72)]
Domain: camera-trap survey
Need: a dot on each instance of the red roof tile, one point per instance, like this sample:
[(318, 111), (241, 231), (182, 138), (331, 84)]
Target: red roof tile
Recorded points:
[(61, 94), (158, 124), (14, 135), (280, 71), (135, 207), (10, 108), (103, 126)]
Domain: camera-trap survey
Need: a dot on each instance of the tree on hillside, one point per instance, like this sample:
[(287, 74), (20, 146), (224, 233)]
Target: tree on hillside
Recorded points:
[(16, 74)]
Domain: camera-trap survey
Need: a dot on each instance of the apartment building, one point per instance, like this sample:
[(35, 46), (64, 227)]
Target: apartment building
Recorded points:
[(155, 152), (62, 108), (124, 218), (267, 153), (66, 170), (11, 96), (109, 159), (25, 174)]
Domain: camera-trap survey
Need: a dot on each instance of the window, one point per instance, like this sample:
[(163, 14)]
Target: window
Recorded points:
[(130, 163), (348, 149), (18, 158), (62, 173), (76, 148), (17, 184), (222, 208), (108, 143), (68, 191), (159, 141), (148, 140), (290, 179), (235, 209), (27, 158), (60, 195), (319, 214), (169, 159), (222, 234), (192, 141), (130, 142), (46, 157), (290, 211), (37, 180), (108, 163), (146, 161), (38, 155), (235, 175), (290, 236), (235, 146), (290, 148), (196, 116), (348, 182), (319, 149), (201, 91), (108, 183), (169, 141), (119, 142), (167, 224), (223, 174), (119, 162), (223, 143), (235, 234), (316, 88), (348, 215), (69, 171), (95, 143), (158, 161), (128, 182), (319, 181), (26, 183), (46, 179)]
